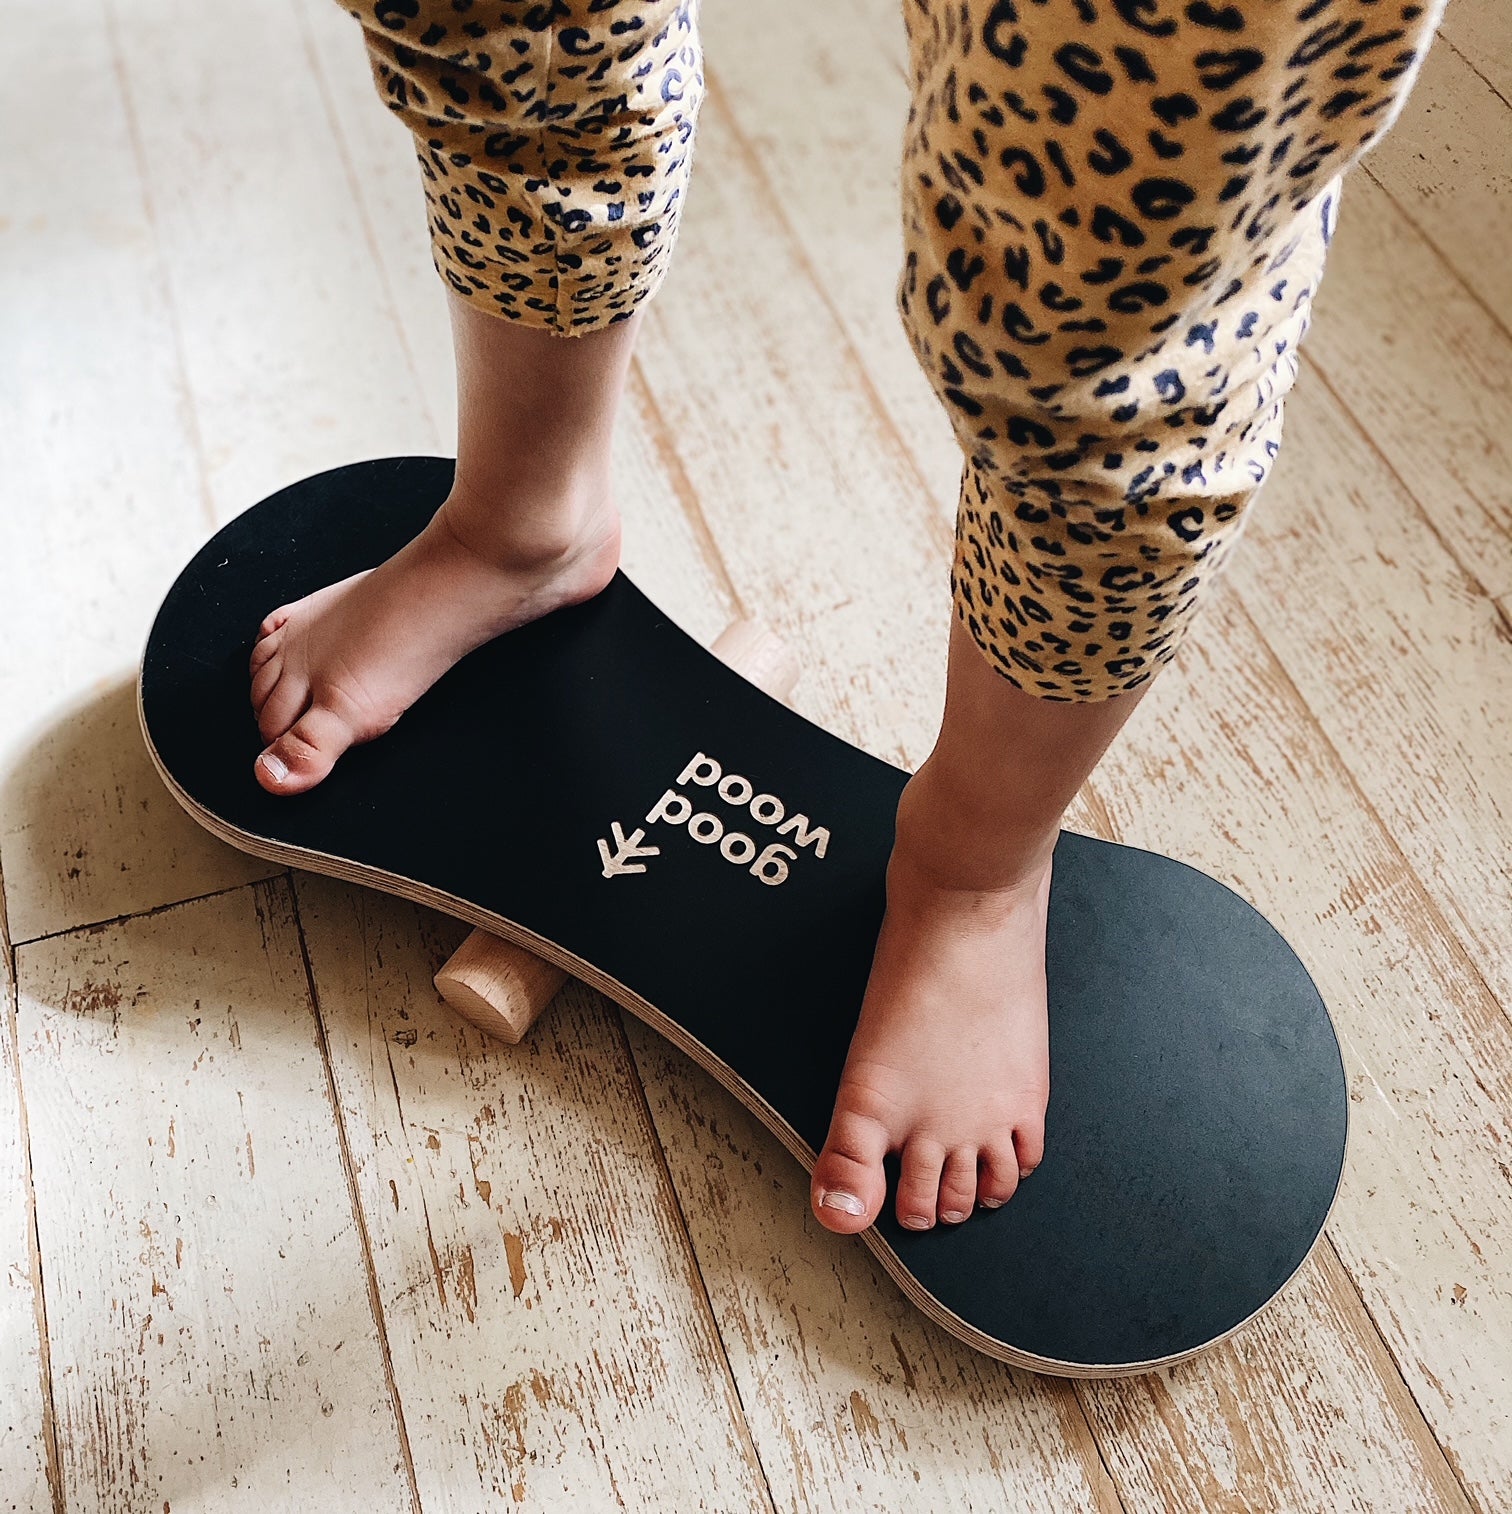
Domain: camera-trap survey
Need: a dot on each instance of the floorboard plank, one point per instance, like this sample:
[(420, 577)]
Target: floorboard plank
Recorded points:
[(290, 344), (1225, 767), (1404, 660), (1412, 357), (1448, 163), (1480, 32), (546, 1320), (24, 1428), (106, 494), (212, 1344), (207, 336)]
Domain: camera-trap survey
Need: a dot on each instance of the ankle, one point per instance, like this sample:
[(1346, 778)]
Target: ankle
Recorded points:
[(950, 833), (535, 527)]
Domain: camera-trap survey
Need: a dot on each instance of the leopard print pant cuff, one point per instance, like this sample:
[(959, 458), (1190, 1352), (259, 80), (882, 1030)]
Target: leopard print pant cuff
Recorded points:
[(555, 143), (1116, 214)]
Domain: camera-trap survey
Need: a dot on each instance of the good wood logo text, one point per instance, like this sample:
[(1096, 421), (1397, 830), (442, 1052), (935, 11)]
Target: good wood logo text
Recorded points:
[(768, 863)]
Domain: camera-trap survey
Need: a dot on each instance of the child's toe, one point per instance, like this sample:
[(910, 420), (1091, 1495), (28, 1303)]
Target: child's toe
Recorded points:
[(848, 1184), (919, 1183), (265, 680), (262, 649), (999, 1174), (305, 753), (283, 704), (958, 1185), (1029, 1141)]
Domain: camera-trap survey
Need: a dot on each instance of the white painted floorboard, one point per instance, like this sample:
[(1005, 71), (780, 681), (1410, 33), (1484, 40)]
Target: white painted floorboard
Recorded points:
[(277, 1232)]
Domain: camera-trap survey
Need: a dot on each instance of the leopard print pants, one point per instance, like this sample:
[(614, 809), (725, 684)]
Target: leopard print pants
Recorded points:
[(1115, 216)]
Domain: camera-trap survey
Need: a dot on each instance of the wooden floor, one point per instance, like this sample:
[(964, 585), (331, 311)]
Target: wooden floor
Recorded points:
[(277, 1232)]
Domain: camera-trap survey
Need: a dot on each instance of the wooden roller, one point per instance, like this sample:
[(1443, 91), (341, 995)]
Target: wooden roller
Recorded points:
[(502, 988)]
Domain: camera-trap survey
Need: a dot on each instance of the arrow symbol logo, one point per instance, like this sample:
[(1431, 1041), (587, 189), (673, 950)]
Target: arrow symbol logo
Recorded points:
[(627, 849)]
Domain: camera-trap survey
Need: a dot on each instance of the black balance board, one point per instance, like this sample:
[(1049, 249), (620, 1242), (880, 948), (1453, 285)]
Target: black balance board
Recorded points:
[(1198, 1111)]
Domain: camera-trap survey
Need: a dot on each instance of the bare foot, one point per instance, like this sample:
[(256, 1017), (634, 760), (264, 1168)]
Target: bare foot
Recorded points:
[(343, 664), (949, 1062)]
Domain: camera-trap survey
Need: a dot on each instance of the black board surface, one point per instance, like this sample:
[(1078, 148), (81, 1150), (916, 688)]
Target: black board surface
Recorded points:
[(1197, 1118)]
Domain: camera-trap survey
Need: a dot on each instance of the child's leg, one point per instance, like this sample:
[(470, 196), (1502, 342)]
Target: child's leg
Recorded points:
[(1115, 218), (555, 147), (530, 525)]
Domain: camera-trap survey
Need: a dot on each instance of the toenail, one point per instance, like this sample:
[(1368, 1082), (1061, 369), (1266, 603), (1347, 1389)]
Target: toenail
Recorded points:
[(273, 767), (916, 1221), (993, 1203), (846, 1202), (953, 1216)]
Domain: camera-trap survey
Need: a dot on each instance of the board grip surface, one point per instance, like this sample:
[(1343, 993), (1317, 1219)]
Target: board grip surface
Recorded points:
[(502, 988)]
